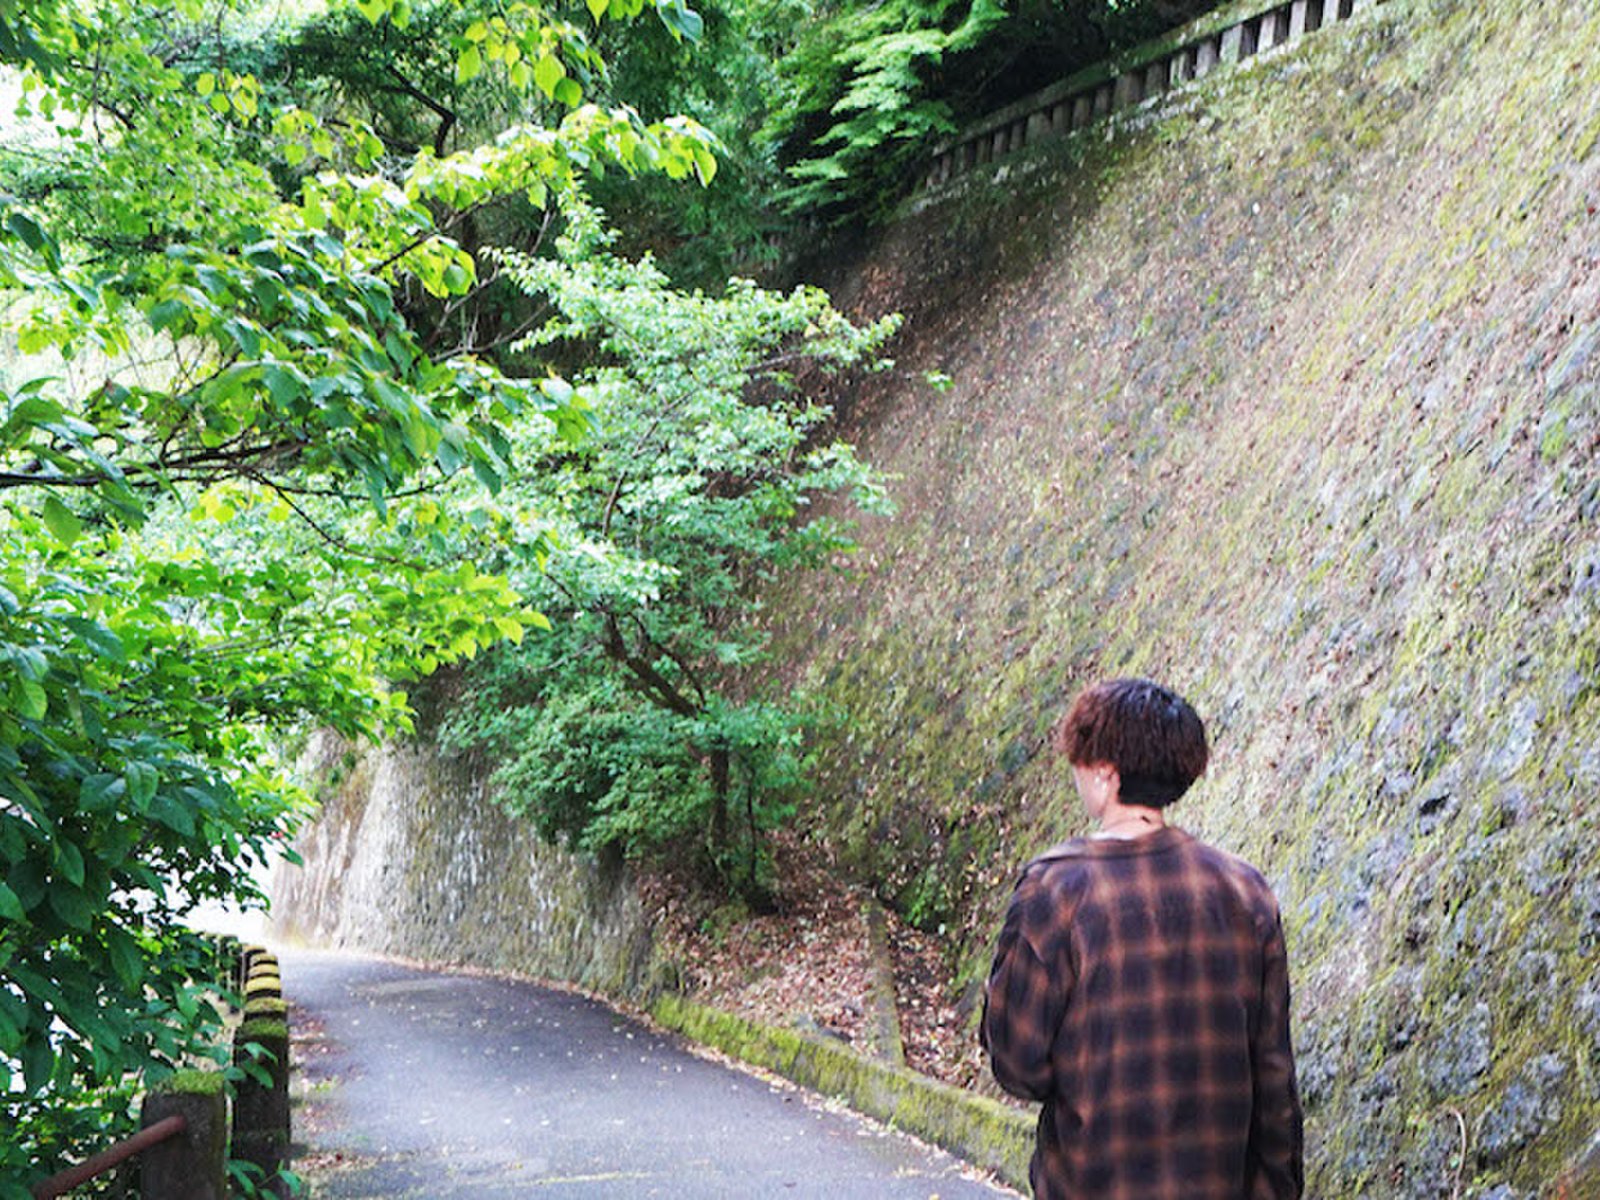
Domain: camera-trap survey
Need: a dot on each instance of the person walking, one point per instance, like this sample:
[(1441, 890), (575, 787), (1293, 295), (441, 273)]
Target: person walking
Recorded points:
[(1140, 987)]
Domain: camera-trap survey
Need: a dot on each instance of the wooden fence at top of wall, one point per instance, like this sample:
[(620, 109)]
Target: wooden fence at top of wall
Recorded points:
[(1224, 37)]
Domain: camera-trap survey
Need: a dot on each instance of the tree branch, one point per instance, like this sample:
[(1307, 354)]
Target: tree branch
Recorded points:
[(446, 115)]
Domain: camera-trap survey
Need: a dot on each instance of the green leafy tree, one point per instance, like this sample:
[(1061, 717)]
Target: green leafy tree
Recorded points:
[(624, 727), (220, 317)]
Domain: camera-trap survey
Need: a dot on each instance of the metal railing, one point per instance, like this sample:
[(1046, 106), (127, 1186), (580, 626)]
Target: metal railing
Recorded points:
[(91, 1168), (188, 1129)]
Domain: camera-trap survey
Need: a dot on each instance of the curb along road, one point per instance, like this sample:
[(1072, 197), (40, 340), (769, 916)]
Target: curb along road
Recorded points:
[(981, 1131)]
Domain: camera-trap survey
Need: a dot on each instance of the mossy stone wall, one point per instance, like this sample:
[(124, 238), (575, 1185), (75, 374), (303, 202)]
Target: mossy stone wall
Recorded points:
[(409, 856), (1285, 393)]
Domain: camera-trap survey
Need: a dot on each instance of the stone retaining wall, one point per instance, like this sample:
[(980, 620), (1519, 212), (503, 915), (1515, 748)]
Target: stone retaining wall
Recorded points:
[(409, 856)]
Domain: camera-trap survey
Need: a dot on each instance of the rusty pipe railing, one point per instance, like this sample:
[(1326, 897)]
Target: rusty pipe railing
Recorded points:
[(62, 1183)]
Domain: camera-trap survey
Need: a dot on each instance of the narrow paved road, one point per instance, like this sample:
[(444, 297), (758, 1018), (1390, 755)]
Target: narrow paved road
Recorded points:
[(450, 1086)]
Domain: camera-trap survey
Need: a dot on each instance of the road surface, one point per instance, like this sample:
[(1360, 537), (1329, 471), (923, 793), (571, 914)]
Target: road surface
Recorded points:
[(451, 1086)]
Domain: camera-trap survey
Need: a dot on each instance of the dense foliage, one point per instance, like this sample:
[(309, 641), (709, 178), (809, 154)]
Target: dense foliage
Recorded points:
[(231, 308), (620, 728), (867, 89)]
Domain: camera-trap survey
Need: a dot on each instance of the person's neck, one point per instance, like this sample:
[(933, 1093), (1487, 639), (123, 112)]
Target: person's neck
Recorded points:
[(1129, 820)]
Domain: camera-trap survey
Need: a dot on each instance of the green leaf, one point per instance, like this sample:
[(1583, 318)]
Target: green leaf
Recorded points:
[(71, 905), (165, 314), (126, 960), (548, 72), (680, 19), (101, 792), (32, 701), (705, 164), (142, 782), (69, 862), (61, 521), (10, 907), (569, 92), (10, 1040), (38, 1064), (470, 65), (34, 237), (509, 628), (98, 638), (175, 816)]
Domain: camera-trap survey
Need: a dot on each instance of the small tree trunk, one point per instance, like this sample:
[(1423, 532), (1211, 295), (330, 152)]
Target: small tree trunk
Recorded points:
[(721, 762)]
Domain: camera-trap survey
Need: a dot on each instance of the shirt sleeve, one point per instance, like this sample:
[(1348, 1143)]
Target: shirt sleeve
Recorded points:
[(1276, 1154), (1024, 1000)]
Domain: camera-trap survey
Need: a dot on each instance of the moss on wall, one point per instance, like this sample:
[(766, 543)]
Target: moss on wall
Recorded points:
[(1286, 394)]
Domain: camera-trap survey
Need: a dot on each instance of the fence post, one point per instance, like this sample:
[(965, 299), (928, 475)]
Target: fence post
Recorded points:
[(1304, 17), (261, 1109), (192, 1165)]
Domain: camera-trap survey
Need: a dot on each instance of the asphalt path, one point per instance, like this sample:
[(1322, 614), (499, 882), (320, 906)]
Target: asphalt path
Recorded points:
[(420, 1083)]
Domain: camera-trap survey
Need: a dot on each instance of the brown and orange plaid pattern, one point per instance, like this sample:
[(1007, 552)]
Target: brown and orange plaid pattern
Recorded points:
[(1141, 991)]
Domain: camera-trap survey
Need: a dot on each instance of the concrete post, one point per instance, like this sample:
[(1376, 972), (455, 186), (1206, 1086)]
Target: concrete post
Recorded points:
[(248, 956), (1274, 30), (262, 984), (1060, 117), (1304, 17), (1082, 110), (1038, 129), (1207, 57), (1182, 66), (261, 1108), (1156, 76), (1334, 10), (1128, 91), (193, 1165), (1103, 99), (1238, 43)]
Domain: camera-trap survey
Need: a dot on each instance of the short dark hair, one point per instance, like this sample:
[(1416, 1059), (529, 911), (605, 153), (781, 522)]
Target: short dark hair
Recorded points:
[(1149, 733)]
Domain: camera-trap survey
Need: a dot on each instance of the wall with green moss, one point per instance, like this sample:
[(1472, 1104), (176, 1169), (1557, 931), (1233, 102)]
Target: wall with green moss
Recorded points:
[(408, 856), (1284, 393)]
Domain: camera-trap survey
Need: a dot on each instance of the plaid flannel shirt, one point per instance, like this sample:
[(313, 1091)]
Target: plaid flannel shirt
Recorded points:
[(1141, 991)]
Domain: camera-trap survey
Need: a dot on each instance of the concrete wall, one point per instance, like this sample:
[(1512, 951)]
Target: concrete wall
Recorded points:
[(408, 856)]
